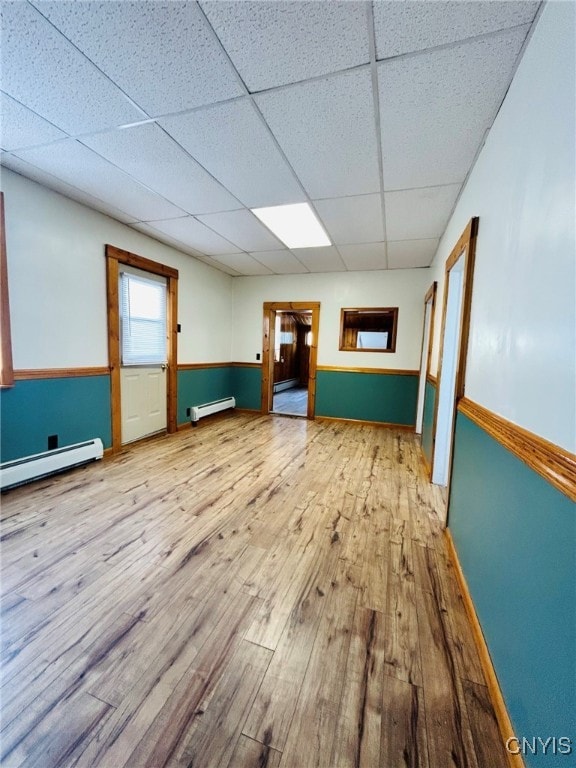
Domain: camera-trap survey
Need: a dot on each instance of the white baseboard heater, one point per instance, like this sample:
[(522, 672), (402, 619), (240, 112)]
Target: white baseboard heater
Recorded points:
[(199, 411), (280, 386), (19, 471)]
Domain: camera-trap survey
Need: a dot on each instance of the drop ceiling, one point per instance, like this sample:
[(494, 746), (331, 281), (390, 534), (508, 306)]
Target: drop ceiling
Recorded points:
[(178, 117)]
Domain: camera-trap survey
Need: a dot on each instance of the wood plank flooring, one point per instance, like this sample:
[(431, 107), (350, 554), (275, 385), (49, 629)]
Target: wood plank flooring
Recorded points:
[(292, 402), (258, 591)]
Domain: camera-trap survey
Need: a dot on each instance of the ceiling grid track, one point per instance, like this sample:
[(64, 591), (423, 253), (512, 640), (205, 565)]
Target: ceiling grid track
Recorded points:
[(376, 98)]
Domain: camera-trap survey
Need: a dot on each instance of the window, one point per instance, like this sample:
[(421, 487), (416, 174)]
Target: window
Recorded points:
[(143, 320), (370, 329)]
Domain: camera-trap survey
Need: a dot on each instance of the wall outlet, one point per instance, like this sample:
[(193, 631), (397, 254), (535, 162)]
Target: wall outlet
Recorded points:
[(188, 412), (52, 442), (257, 355)]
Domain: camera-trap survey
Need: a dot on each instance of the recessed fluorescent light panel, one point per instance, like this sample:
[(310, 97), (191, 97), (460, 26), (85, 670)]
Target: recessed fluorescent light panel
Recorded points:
[(296, 225)]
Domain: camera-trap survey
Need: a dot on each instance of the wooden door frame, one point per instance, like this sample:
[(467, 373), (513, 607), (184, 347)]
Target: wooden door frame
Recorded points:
[(269, 318), (466, 246), (115, 257), (429, 298)]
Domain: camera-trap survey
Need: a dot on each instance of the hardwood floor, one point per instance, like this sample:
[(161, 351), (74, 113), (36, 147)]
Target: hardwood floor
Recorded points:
[(258, 591), (292, 402)]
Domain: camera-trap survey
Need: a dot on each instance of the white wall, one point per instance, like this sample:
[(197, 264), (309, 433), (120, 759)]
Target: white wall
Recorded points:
[(404, 289), (522, 349), (57, 283)]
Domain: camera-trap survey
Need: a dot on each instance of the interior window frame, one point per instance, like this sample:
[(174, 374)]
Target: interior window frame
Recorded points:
[(344, 347)]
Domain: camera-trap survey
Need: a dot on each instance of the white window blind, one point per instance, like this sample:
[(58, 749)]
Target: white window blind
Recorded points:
[(143, 320)]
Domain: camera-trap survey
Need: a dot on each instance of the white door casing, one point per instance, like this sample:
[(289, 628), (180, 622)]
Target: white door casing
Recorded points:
[(447, 383)]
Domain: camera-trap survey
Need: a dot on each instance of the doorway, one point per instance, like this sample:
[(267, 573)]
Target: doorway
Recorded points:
[(143, 399), (459, 272), (426, 352), (292, 337), (289, 358)]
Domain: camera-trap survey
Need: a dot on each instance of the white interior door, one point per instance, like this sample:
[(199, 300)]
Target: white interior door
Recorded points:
[(447, 384), (143, 395), (423, 366)]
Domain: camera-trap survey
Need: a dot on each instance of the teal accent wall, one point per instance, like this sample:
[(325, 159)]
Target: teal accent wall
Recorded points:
[(428, 421), (515, 535), (75, 409), (202, 385), (385, 397), (247, 386)]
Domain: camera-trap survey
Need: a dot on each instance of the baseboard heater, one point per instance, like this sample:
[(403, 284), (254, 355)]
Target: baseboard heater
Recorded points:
[(20, 471), (199, 411), (280, 386)]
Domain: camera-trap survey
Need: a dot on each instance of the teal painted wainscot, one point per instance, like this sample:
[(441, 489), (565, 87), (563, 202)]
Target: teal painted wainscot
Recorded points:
[(247, 385), (75, 408), (203, 383), (380, 396), (515, 535), (199, 384), (428, 420)]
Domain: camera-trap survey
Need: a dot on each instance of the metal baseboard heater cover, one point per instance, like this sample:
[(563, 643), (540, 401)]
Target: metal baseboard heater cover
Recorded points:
[(199, 411), (280, 386), (20, 471)]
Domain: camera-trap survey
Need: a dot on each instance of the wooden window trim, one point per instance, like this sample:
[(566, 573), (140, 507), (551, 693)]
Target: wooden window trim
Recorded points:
[(114, 257), (7, 368)]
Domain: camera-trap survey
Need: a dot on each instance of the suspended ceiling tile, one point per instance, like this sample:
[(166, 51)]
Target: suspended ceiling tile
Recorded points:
[(153, 158), (326, 128), (148, 229), (326, 259), (406, 254), (231, 141), (436, 107), (401, 27), (219, 266), (57, 185), (363, 256), (352, 219), (280, 262), (243, 229), (243, 264), (415, 214), (42, 70), (20, 127), (78, 166), (195, 235), (162, 54), (274, 43)]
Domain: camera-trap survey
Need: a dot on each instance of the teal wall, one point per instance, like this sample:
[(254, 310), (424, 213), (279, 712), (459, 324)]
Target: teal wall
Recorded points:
[(75, 409), (247, 386), (515, 536), (428, 421), (202, 385), (385, 397)]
